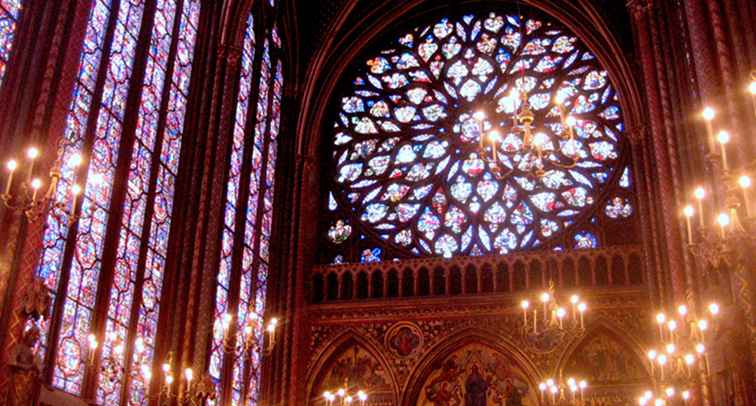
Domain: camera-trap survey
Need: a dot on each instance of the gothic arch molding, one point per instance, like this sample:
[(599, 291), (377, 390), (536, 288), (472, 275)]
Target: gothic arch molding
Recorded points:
[(604, 326), (456, 341), (325, 76), (609, 357), (336, 347)]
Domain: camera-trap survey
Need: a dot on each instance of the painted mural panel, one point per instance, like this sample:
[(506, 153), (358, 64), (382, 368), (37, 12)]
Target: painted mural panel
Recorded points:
[(477, 375), (355, 369)]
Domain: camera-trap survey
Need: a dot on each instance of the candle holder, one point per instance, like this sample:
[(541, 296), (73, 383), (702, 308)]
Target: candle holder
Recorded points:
[(249, 341), (680, 358), (728, 239), (563, 392), (533, 141), (345, 396), (545, 314), (32, 199)]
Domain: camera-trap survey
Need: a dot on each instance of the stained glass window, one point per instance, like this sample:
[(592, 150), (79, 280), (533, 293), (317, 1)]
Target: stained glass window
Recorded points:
[(141, 234), (409, 176), (252, 168), (10, 11)]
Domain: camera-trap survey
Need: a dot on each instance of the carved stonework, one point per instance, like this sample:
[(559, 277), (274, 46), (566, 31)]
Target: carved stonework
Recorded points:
[(410, 333)]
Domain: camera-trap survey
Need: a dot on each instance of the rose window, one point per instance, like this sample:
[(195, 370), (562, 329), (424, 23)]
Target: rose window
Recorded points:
[(414, 169)]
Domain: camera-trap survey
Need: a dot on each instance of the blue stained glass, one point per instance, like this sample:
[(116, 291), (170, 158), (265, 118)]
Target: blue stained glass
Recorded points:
[(79, 294)]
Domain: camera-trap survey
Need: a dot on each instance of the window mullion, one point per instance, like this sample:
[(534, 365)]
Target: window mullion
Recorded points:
[(81, 173), (149, 205)]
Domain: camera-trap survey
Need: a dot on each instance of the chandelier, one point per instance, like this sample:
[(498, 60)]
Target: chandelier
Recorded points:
[(343, 397), (536, 145), (32, 200), (192, 391), (722, 238), (571, 391), (680, 355), (554, 317)]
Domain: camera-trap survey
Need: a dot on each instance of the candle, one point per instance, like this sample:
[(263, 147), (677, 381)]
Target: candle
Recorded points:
[(688, 213), (574, 299), (713, 309), (75, 190), (723, 138), (494, 137), (32, 153), (189, 375), (582, 307), (554, 391), (35, 185), (583, 385), (660, 319), (92, 347), (542, 388), (662, 361), (652, 357), (545, 297), (11, 165), (685, 395), (699, 193), (560, 313), (479, 116), (723, 220), (525, 304), (745, 183)]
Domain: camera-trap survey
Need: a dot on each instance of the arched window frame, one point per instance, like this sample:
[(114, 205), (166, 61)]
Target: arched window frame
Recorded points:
[(135, 145), (365, 244), (241, 282)]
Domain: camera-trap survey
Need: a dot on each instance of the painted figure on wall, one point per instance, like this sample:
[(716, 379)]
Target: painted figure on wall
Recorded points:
[(354, 369), (475, 388), (476, 375)]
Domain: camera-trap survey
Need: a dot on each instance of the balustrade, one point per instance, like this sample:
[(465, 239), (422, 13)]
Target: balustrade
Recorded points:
[(427, 277)]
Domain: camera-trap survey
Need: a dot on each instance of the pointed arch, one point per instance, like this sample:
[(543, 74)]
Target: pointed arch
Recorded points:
[(631, 356), (337, 347), (458, 341)]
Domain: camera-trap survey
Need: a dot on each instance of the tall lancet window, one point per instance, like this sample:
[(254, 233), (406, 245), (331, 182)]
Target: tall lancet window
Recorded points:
[(10, 12), (105, 270), (243, 273)]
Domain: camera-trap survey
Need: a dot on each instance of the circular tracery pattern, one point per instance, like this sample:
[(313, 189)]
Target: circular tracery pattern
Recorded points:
[(406, 143)]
